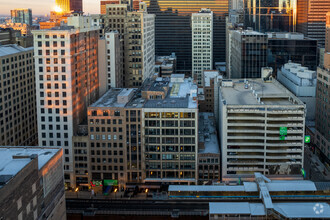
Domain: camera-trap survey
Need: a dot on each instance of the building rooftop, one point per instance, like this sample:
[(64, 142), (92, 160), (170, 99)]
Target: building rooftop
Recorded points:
[(269, 185), (285, 35), (248, 32), (9, 49), (207, 133), (14, 159), (254, 209), (182, 93), (287, 209), (110, 98), (256, 92), (210, 74)]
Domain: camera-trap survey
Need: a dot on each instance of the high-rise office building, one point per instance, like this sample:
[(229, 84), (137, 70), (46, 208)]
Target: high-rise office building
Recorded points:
[(141, 135), (248, 53), (311, 16), (261, 130), (137, 36), (21, 15), (139, 46), (69, 5), (17, 96), (66, 82), (202, 43), (322, 118), (114, 60), (283, 47), (327, 33), (270, 15), (173, 28)]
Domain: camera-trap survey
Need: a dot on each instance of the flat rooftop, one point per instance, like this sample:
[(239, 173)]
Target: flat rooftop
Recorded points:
[(248, 32), (10, 166), (10, 49), (109, 99), (207, 133), (286, 209), (271, 93), (181, 94)]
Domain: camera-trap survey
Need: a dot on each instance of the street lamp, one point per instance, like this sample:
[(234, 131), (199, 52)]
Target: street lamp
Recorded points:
[(147, 192), (76, 190), (115, 192)]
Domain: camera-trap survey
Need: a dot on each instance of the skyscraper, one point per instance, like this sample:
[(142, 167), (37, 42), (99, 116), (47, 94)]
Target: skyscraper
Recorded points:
[(21, 15), (67, 82), (137, 34), (69, 5), (311, 16), (322, 124), (327, 33), (202, 43), (270, 15), (17, 96), (248, 53), (173, 28)]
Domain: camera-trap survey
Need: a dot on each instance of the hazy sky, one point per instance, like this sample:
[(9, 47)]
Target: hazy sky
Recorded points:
[(41, 7)]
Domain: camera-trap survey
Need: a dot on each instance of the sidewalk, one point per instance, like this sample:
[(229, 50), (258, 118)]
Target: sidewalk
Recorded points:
[(117, 195)]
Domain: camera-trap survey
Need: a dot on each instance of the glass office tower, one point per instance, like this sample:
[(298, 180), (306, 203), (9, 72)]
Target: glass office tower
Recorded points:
[(271, 15), (173, 28), (70, 5), (312, 18)]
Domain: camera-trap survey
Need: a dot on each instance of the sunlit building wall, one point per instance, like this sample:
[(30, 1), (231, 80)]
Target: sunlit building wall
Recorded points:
[(311, 16), (270, 15), (69, 5), (21, 15), (67, 82)]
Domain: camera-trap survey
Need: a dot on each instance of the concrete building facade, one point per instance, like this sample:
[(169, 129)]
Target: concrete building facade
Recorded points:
[(31, 183), (322, 119), (137, 136), (261, 130), (67, 82), (18, 112), (202, 43)]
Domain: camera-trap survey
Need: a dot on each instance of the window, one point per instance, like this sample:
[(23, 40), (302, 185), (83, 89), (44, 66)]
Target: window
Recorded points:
[(62, 52)]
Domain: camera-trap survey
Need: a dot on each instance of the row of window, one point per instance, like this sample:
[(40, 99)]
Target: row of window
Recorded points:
[(47, 36), (47, 52), (55, 69), (55, 86), (55, 43)]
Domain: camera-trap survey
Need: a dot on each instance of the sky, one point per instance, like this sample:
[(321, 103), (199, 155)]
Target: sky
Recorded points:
[(42, 7)]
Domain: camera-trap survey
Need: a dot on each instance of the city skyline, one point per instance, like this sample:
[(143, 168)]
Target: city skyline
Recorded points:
[(40, 7)]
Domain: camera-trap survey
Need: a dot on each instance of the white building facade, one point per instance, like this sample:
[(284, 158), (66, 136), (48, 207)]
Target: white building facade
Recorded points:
[(202, 43), (66, 83), (261, 130), (302, 83)]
